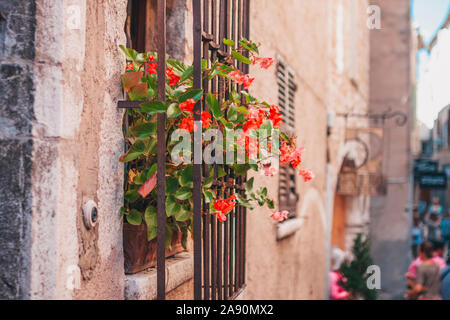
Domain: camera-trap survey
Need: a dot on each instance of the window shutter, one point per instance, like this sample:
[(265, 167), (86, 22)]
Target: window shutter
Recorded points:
[(288, 196)]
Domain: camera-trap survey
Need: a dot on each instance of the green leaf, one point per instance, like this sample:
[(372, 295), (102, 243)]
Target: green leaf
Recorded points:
[(228, 42), (152, 233), (249, 45), (168, 237), (154, 107), (131, 196), (223, 121), (204, 64), (186, 177), (130, 53), (213, 104), (270, 204), (135, 151), (173, 111), (241, 169), (171, 185), (191, 94), (242, 109), (249, 184), (183, 194), (134, 217), (209, 195), (150, 217), (182, 215), (144, 130), (151, 147), (220, 172), (232, 112), (172, 206), (187, 74), (178, 65), (208, 182), (236, 55)]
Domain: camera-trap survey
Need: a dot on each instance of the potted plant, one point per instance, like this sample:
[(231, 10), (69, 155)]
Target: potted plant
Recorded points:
[(235, 114)]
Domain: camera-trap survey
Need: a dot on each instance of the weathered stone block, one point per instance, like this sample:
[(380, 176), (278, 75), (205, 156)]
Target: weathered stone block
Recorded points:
[(15, 215), (16, 100)]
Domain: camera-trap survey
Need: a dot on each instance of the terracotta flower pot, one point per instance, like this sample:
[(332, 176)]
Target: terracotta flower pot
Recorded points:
[(140, 254)]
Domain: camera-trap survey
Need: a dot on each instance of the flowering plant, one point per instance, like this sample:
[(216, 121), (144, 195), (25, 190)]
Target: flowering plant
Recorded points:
[(235, 124)]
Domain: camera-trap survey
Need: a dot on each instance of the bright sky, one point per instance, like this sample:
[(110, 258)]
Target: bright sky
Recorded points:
[(432, 92)]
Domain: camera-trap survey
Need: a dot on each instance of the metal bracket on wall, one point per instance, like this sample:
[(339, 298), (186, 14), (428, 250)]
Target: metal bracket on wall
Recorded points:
[(401, 117)]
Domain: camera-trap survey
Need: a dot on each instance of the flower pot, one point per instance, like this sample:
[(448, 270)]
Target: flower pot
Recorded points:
[(140, 254)]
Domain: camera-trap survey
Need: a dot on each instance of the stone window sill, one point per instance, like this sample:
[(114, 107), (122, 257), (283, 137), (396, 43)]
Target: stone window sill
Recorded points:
[(142, 285), (289, 227)]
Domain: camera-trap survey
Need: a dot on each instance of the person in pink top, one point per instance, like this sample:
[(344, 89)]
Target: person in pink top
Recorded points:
[(439, 254), (337, 292), (411, 275), (437, 259), (428, 279)]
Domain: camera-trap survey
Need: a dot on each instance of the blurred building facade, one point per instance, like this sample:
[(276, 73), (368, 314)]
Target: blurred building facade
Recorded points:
[(65, 135), (392, 85)]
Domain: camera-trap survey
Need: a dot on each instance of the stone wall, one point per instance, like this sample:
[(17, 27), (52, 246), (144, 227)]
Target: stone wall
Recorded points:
[(77, 142), (17, 53)]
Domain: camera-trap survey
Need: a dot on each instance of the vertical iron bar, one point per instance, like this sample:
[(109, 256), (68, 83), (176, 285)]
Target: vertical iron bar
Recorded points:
[(214, 218), (206, 216), (197, 31), (161, 161), (244, 210)]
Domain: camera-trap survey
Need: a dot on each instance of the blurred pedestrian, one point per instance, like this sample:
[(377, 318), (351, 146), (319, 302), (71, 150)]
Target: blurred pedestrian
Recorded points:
[(445, 229), (439, 254), (436, 207), (428, 280), (337, 292), (411, 275), (445, 281), (417, 235), (433, 227)]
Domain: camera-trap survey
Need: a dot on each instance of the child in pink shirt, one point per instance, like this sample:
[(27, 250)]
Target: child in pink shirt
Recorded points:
[(337, 292)]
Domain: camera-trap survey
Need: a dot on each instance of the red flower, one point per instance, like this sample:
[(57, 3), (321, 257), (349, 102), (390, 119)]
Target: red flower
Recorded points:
[(151, 69), (270, 171), (242, 79), (280, 216), (188, 105), (221, 217), (264, 63), (130, 67), (255, 119), (234, 73), (173, 78), (307, 174), (206, 119), (224, 206), (291, 154), (188, 124), (275, 116)]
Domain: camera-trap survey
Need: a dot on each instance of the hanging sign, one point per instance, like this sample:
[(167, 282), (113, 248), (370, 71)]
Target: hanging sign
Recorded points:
[(433, 181), (361, 172)]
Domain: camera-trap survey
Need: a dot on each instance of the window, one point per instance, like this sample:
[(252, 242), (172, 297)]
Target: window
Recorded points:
[(288, 196)]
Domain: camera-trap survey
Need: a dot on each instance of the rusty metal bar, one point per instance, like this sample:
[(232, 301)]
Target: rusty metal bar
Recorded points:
[(197, 228), (244, 180), (161, 145), (206, 216)]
